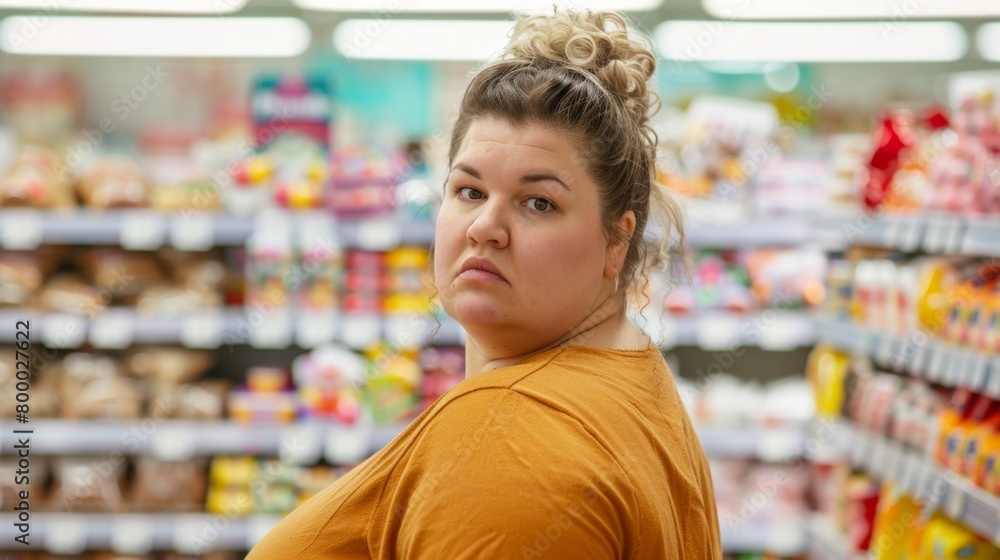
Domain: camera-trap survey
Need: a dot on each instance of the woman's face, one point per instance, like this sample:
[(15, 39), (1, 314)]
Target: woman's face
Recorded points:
[(518, 199)]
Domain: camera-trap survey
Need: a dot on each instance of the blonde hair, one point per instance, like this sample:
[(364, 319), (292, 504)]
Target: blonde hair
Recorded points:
[(585, 73)]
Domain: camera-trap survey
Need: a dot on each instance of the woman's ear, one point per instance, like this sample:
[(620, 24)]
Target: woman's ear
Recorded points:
[(615, 254)]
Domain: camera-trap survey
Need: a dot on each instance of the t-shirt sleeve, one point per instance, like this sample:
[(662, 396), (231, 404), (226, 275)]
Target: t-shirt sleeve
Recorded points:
[(498, 474)]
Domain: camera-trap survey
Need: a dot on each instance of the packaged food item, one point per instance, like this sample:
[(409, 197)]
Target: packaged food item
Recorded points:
[(390, 394), (264, 379), (168, 365), (862, 502), (328, 380), (87, 484), (826, 369), (269, 272), (264, 408), (945, 539), (203, 400), (989, 475), (233, 471), (322, 266), (43, 108), (167, 486), (120, 274), (253, 188), (169, 300), (983, 423), (229, 500), (951, 420), (113, 182), (444, 367), (21, 277), (36, 179), (93, 386), (11, 484), (69, 293), (892, 533), (364, 180)]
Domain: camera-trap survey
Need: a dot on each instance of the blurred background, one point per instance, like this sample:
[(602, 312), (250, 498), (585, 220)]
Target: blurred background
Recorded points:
[(215, 218)]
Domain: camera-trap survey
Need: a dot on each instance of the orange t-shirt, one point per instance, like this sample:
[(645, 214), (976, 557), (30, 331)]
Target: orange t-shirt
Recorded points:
[(575, 453)]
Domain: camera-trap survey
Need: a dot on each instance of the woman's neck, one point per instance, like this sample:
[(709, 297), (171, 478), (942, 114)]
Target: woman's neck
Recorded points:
[(605, 327)]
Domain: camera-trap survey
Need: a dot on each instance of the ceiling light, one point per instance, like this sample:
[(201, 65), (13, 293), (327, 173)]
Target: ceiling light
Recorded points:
[(894, 10), (401, 39), (133, 6), (472, 6), (717, 40), (154, 37)]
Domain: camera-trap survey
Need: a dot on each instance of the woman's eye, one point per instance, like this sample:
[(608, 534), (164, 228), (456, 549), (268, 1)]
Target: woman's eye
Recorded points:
[(540, 204), (469, 193)]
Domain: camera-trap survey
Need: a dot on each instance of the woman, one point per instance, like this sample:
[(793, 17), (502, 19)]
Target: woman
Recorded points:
[(567, 439)]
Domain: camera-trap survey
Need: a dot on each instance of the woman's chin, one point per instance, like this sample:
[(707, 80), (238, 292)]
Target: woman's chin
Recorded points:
[(475, 312)]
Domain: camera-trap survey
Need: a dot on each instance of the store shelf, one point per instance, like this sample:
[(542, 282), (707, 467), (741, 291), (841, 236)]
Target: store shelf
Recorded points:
[(774, 329), (137, 533), (172, 439), (826, 543), (120, 328), (148, 229), (195, 533), (919, 355), (934, 486), (929, 233), (783, 537), (780, 232), (765, 444), (177, 440)]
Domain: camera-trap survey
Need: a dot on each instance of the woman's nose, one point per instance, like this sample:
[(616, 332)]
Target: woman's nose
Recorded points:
[(490, 226)]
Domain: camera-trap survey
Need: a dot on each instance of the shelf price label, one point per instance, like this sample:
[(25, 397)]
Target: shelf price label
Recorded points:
[(777, 445), (378, 234), (784, 333), (953, 236), (910, 470), (115, 328), (980, 367), (912, 236), (63, 330), (301, 445), (193, 231), (175, 443), (258, 526), (935, 369), (347, 444), (274, 332), (65, 535), (21, 230), (315, 328), (891, 234), (190, 532), (955, 503), (718, 332), (204, 329), (361, 330), (142, 230), (131, 536), (993, 378)]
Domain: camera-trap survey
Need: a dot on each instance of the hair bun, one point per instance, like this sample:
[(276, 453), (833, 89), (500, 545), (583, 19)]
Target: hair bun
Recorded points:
[(595, 42)]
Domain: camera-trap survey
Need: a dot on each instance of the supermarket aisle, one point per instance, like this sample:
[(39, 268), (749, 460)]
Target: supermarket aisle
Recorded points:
[(214, 265)]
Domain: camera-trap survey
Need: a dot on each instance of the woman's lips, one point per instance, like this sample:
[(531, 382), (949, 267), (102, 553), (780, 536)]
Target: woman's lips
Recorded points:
[(482, 275)]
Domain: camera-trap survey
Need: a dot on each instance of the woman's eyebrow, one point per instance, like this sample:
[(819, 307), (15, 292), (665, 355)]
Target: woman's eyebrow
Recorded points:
[(469, 170), (536, 177)]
